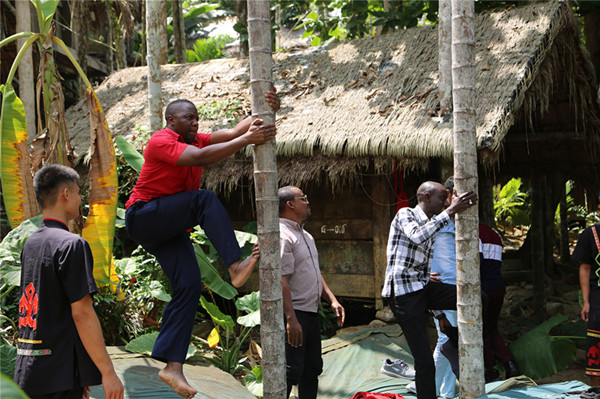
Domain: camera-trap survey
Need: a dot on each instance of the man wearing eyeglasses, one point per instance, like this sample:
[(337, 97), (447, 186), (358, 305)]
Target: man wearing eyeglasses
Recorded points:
[(303, 288)]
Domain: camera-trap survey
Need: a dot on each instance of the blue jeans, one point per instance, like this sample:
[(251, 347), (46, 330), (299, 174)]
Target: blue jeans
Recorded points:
[(161, 227)]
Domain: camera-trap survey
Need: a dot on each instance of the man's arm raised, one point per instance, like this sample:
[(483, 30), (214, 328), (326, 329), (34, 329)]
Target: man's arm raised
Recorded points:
[(256, 134)]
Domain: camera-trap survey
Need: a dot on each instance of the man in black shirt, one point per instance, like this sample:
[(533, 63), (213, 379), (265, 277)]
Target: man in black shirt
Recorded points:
[(587, 254), (61, 350)]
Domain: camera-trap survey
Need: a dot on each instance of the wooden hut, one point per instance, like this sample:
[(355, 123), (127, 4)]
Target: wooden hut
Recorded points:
[(359, 118)]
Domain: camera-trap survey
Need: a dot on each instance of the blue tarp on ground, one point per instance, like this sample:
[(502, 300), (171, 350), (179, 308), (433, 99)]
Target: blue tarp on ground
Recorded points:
[(352, 363)]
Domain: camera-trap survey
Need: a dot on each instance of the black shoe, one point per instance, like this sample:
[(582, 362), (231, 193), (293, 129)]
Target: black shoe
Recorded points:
[(511, 369)]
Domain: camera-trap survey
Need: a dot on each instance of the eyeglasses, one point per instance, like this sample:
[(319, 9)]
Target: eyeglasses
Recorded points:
[(303, 198)]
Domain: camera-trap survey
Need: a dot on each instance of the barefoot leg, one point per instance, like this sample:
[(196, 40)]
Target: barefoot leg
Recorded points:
[(240, 270), (173, 376)]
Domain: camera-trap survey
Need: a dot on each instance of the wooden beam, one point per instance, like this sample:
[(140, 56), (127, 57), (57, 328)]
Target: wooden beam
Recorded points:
[(93, 63), (382, 216)]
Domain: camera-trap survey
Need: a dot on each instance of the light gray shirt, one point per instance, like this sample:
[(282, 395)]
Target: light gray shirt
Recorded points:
[(299, 260)]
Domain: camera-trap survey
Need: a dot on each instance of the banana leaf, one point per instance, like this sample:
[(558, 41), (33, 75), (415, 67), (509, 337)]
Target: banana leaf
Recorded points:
[(99, 230), (17, 181), (539, 354), (211, 277), (131, 155)]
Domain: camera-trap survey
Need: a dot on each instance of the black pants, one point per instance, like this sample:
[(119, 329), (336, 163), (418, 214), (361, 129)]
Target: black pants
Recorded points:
[(411, 312), (75, 393), (304, 363)]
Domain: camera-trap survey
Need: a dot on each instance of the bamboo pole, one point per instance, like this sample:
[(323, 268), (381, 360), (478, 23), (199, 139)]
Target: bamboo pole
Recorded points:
[(267, 205)]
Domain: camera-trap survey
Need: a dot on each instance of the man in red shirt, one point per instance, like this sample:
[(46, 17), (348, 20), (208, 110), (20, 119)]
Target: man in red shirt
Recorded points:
[(166, 202)]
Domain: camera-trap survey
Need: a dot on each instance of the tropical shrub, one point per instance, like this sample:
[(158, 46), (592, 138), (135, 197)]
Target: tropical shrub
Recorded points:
[(510, 205), (208, 49)]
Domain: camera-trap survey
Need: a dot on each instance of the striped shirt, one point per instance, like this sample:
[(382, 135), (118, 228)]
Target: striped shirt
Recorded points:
[(409, 250)]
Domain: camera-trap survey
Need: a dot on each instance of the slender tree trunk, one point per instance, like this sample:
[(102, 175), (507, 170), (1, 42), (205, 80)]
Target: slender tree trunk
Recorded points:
[(144, 34), (267, 205), (178, 31), (80, 22), (26, 78), (565, 254), (109, 38), (242, 14), (445, 56), (468, 285), (163, 38), (152, 42)]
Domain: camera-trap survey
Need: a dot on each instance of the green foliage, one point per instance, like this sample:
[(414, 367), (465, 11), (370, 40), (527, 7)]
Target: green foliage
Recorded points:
[(227, 356), (249, 304), (130, 154), (328, 320), (9, 389), (227, 109), (8, 356), (208, 49), (145, 343), (540, 354), (254, 381), (338, 20), (510, 205)]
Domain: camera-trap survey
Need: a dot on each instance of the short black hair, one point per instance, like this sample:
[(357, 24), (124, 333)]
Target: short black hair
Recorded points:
[(285, 194), (48, 180), (174, 104), (449, 184)]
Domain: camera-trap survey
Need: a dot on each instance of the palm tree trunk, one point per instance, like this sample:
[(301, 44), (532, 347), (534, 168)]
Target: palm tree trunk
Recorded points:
[(267, 205), (445, 56), (152, 44), (472, 383), (178, 31), (26, 78)]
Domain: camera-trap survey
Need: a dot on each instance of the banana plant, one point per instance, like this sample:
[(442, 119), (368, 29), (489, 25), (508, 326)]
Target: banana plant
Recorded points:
[(52, 145)]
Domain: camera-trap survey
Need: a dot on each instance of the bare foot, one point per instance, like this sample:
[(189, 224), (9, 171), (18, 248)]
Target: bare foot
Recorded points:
[(240, 270), (173, 376)]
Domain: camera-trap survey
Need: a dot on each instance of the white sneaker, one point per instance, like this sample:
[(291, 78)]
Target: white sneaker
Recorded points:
[(412, 387), (398, 368)]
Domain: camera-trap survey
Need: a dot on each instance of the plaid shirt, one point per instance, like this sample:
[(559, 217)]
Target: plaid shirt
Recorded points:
[(409, 250)]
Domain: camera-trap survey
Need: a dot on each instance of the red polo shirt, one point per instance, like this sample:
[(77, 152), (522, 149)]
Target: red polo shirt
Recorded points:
[(160, 176)]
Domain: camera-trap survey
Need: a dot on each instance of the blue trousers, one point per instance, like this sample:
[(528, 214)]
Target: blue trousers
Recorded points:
[(161, 227)]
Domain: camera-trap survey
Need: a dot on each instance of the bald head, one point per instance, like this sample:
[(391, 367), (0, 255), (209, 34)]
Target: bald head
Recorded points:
[(430, 188)]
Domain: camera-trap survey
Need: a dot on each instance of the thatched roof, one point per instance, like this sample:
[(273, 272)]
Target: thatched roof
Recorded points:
[(370, 101)]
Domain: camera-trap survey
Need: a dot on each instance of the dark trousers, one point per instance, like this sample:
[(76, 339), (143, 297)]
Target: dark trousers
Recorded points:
[(411, 312), (494, 346), (75, 393), (304, 364), (161, 227)]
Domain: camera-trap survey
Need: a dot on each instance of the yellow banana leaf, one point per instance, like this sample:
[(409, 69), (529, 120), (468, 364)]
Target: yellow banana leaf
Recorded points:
[(213, 338), (99, 229), (17, 181)]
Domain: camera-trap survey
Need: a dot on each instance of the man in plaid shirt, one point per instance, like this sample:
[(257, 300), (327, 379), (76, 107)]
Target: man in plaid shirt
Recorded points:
[(408, 284)]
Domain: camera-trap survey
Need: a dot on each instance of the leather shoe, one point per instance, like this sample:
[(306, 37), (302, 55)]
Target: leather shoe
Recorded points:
[(511, 369)]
